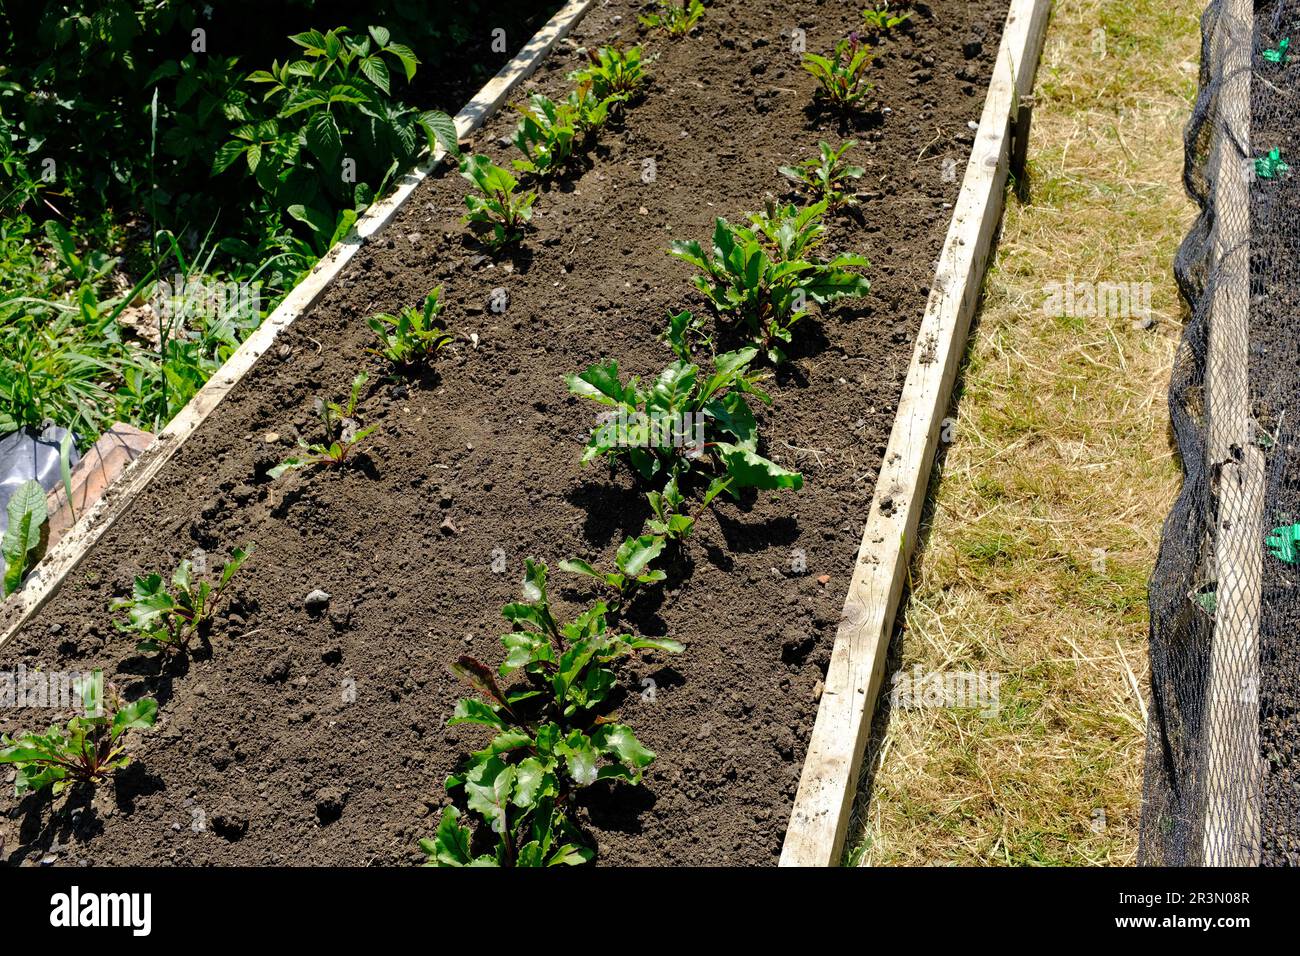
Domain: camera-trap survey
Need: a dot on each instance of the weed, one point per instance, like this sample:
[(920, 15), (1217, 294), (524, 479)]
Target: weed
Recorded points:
[(25, 536)]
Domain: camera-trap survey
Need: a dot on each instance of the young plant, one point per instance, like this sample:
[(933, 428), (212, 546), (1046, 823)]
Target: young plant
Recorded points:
[(499, 215), (25, 536), (550, 132), (685, 421), (166, 620), (551, 735), (612, 73), (841, 77), (675, 19), (826, 176), (413, 335), (879, 20), (763, 274), (87, 750), (631, 564), (342, 436)]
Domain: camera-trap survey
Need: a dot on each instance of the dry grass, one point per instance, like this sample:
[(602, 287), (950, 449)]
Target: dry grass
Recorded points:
[(1046, 517)]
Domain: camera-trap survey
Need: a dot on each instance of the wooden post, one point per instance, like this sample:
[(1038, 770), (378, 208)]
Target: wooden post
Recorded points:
[(1020, 146), (1231, 773)]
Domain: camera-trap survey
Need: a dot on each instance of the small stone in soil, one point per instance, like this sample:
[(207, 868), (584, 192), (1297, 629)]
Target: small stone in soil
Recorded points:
[(316, 601)]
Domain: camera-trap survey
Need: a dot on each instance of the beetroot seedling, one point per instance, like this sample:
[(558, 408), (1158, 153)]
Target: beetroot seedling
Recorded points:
[(551, 735), (87, 750), (612, 73), (342, 435), (550, 133), (165, 620), (880, 20), (826, 176), (675, 19), (684, 420), (631, 564), (413, 335), (498, 214), (842, 77), (765, 274)]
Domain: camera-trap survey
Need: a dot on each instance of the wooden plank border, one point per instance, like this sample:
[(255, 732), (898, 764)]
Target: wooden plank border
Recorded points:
[(822, 805), (49, 575)]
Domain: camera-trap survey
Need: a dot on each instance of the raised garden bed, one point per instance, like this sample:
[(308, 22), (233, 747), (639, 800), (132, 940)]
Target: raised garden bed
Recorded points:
[(320, 738)]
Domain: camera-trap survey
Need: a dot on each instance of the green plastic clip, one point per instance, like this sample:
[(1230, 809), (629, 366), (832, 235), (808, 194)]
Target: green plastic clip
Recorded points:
[(1284, 543), (1278, 55), (1267, 167)]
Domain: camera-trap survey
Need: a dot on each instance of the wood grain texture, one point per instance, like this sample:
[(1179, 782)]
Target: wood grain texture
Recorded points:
[(1231, 791)]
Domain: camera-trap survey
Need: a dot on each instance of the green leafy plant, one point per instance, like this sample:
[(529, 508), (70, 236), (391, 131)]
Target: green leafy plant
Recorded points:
[(87, 750), (57, 360), (675, 19), (333, 102), (686, 422), (413, 335), (25, 535), (166, 619), (842, 77), (551, 735), (497, 214), (631, 564), (764, 274), (612, 73), (879, 20), (341, 434), (826, 176), (550, 132)]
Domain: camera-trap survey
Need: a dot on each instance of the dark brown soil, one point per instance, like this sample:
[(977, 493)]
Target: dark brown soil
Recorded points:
[(255, 739)]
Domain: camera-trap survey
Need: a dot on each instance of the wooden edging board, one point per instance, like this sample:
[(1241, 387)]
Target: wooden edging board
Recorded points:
[(49, 574), (822, 805)]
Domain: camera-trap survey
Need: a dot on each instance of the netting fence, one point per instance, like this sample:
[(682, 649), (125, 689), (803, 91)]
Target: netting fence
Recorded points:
[(1222, 780)]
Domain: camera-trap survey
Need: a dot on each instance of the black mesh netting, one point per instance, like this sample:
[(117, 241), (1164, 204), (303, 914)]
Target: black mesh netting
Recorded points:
[(1223, 745)]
